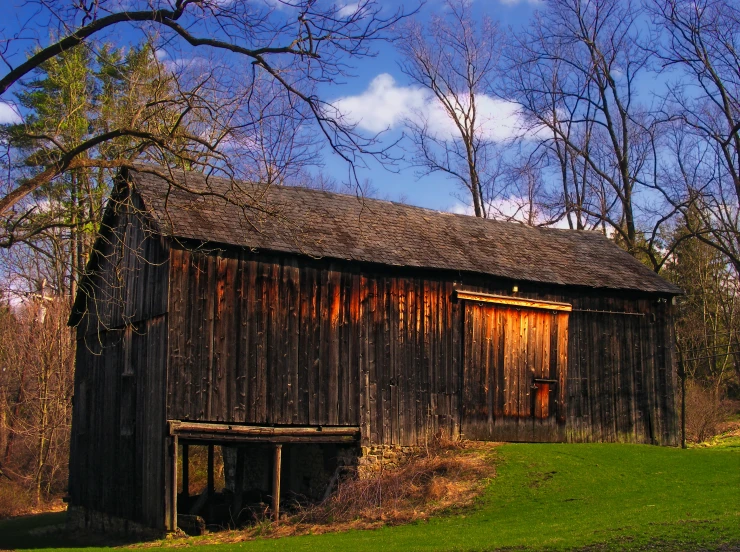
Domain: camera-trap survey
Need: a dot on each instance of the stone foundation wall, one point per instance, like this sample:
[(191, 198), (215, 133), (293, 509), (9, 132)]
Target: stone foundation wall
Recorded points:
[(376, 457), (82, 519)]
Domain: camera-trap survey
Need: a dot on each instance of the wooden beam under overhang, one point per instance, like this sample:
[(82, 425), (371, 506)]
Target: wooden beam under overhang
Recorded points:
[(512, 301), (208, 432)]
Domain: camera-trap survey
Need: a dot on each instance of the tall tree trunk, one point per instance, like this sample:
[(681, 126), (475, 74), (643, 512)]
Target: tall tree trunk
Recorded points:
[(40, 467), (16, 413), (3, 418)]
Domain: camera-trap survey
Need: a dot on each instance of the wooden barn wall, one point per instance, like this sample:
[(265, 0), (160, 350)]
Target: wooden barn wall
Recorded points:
[(117, 453), (621, 380), (291, 343), (621, 375), (263, 339), (117, 463)]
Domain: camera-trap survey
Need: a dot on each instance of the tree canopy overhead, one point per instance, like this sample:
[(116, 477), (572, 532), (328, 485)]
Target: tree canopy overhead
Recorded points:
[(235, 67)]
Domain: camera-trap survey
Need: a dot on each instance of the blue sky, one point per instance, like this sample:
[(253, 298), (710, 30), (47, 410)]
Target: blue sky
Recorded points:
[(378, 79), (401, 182)]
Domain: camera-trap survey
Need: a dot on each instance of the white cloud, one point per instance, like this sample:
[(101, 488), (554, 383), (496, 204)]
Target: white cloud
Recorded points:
[(383, 105), (386, 105), (180, 64), (462, 209), (498, 120), (274, 4), (9, 114), (513, 208), (347, 10)]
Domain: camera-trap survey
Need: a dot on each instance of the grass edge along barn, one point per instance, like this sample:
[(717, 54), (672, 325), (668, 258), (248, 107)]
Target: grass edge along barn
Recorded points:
[(217, 312)]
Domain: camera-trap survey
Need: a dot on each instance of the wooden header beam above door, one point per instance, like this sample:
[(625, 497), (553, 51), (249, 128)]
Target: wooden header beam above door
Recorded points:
[(512, 301)]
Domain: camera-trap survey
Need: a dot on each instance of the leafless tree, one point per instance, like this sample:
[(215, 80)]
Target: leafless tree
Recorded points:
[(294, 44), (560, 122), (36, 363), (699, 48), (575, 72), (453, 59)]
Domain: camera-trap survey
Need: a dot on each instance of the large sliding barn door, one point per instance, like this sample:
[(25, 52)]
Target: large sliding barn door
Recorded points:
[(514, 369)]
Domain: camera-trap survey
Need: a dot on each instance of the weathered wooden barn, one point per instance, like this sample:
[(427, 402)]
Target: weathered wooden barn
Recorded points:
[(217, 312)]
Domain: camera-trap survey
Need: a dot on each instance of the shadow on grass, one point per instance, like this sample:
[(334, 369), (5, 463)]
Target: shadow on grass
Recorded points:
[(48, 531)]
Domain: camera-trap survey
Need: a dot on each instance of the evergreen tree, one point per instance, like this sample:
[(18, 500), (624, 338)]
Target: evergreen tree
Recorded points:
[(82, 93), (708, 315)]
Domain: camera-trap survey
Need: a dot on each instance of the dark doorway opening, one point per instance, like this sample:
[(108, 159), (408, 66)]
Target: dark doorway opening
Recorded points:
[(229, 476)]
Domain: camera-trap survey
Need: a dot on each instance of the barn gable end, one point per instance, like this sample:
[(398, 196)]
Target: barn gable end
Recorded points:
[(118, 440)]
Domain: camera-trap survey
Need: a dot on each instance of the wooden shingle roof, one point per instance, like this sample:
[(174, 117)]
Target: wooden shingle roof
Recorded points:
[(324, 224)]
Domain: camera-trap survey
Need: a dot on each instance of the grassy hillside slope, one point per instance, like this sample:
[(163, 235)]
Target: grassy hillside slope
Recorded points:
[(549, 496)]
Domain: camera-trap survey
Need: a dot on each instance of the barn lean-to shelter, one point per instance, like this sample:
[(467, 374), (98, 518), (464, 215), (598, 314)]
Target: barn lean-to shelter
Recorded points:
[(218, 312)]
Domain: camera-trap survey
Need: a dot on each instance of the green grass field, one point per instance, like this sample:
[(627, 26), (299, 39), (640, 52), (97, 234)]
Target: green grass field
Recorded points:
[(550, 496)]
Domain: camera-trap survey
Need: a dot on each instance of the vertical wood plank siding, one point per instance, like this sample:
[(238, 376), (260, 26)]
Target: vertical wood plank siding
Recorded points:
[(118, 429), (127, 280), (509, 350), (331, 343), (118, 421)]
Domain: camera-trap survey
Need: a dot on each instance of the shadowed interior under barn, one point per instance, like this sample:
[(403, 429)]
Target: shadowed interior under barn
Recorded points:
[(218, 312)]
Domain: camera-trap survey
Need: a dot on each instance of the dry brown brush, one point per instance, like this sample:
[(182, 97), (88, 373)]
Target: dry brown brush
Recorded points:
[(426, 483), (36, 386), (705, 412)]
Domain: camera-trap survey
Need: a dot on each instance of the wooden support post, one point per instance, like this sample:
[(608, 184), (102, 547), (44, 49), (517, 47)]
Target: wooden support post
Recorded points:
[(238, 485), (682, 375), (185, 471), (173, 496), (210, 471), (276, 482), (210, 489)]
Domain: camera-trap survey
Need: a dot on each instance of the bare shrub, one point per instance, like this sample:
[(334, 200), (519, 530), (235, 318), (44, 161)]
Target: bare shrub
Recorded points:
[(36, 387), (705, 411), (15, 499), (426, 483)]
